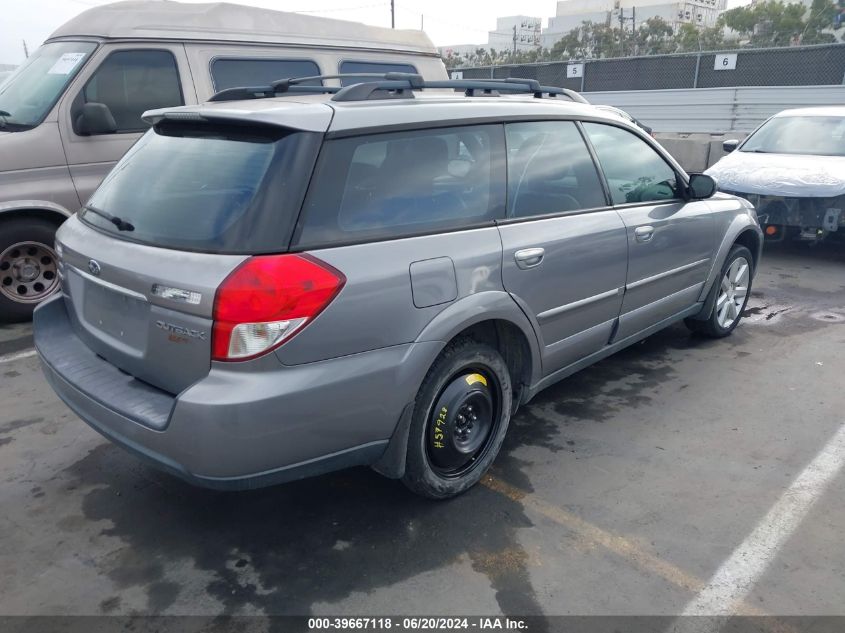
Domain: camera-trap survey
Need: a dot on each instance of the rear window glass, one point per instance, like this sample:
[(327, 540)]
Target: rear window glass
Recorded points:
[(207, 188), (404, 183), (239, 73), (376, 68)]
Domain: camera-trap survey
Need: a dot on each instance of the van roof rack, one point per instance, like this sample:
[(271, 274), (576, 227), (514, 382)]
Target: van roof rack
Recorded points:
[(395, 86)]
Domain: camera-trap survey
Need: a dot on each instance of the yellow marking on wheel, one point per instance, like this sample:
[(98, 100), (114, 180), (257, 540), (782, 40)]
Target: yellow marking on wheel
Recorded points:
[(474, 378)]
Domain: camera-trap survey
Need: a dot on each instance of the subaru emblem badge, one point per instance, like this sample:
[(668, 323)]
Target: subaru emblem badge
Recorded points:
[(94, 267)]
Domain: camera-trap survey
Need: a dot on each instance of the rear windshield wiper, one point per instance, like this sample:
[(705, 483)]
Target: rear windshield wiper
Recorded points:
[(122, 225)]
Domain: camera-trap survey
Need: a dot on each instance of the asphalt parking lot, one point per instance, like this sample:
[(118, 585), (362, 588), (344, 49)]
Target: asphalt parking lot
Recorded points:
[(620, 491)]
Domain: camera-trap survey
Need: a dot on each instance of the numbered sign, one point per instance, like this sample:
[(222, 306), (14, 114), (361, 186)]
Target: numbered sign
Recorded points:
[(725, 61), (574, 71), (457, 74)]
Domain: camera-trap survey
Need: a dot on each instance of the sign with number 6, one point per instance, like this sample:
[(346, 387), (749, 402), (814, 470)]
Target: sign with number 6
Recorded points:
[(726, 61)]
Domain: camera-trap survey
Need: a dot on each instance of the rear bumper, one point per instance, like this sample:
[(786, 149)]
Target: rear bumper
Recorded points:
[(239, 427)]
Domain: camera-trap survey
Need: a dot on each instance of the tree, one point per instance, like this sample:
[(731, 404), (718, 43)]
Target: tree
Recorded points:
[(773, 23), (653, 37), (822, 15), (767, 23), (690, 39)]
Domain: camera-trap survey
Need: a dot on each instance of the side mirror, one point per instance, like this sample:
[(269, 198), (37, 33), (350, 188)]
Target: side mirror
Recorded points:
[(730, 145), (95, 118), (702, 186)]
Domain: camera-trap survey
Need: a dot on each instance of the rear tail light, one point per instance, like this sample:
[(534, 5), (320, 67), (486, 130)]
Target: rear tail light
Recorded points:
[(266, 300)]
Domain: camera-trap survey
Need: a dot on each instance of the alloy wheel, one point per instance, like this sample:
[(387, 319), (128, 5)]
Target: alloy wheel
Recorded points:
[(733, 292)]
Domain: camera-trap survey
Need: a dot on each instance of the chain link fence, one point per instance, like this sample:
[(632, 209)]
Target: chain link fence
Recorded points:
[(793, 66)]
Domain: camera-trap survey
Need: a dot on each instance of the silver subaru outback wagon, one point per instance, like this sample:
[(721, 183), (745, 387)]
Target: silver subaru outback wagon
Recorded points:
[(271, 287)]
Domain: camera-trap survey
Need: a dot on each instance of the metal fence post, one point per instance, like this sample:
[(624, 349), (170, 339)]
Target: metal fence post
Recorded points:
[(583, 74), (697, 68)]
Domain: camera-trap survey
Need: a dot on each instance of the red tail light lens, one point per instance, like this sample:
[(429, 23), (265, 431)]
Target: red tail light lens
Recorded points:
[(266, 300)]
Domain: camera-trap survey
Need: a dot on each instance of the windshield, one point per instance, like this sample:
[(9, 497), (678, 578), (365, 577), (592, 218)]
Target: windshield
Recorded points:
[(29, 94), (811, 135), (207, 188)]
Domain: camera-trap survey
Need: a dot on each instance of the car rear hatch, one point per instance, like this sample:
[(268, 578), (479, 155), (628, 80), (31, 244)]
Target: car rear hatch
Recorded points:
[(190, 202)]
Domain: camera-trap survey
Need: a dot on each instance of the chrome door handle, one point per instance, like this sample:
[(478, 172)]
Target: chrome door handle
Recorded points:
[(644, 233), (529, 257)]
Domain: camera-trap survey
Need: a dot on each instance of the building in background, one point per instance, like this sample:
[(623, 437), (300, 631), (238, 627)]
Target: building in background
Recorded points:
[(520, 31), (459, 50), (571, 14)]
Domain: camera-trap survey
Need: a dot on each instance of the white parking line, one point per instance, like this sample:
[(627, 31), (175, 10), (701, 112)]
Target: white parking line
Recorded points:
[(8, 358), (734, 580)]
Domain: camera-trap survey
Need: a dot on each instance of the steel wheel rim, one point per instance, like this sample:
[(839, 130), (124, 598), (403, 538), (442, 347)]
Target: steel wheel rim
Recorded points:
[(733, 292), (28, 272), (475, 444)]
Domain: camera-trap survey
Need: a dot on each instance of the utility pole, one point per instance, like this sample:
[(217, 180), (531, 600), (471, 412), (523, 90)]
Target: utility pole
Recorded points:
[(514, 42), (622, 19), (25, 49), (392, 14)]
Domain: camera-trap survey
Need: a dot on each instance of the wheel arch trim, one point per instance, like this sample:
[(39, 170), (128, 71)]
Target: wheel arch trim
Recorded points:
[(478, 308), (740, 225), (43, 207)]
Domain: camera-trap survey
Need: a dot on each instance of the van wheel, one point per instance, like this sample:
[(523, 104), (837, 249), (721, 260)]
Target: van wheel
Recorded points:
[(460, 418), (731, 290), (28, 266)]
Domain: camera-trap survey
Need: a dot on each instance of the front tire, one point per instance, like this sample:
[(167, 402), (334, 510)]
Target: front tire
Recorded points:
[(28, 266), (460, 418), (728, 296)]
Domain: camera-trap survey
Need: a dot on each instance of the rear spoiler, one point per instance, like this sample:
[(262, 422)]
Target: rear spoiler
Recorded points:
[(311, 117)]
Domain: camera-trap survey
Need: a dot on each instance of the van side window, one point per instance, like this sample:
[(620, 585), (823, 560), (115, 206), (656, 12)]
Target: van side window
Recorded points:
[(377, 68), (404, 183), (129, 83), (550, 170), (634, 171), (234, 73)]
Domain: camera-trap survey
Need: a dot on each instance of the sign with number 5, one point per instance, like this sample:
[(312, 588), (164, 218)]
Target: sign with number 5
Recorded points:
[(574, 71)]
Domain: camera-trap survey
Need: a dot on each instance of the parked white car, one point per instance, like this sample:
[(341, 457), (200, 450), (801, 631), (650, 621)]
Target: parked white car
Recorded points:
[(792, 168)]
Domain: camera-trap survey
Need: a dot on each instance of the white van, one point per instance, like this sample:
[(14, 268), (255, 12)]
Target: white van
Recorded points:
[(72, 110)]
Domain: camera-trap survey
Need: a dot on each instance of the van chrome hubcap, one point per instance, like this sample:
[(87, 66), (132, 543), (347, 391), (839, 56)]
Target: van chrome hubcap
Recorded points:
[(28, 272), (733, 292)]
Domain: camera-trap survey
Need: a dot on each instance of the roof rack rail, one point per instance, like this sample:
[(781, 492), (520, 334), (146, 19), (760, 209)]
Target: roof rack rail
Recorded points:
[(287, 86), (394, 86), (402, 85)]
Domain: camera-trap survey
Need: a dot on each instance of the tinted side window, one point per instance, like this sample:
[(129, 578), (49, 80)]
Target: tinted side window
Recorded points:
[(132, 82), (404, 183), (550, 170), (377, 68), (234, 73), (634, 171)]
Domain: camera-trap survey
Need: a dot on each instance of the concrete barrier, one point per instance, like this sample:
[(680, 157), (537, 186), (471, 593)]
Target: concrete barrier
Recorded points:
[(696, 152)]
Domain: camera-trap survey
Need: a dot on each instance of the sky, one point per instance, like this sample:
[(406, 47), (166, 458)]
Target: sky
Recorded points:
[(447, 22)]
